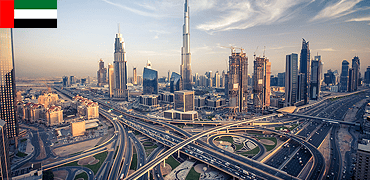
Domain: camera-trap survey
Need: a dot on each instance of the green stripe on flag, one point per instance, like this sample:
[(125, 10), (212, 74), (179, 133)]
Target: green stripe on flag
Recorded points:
[(35, 4)]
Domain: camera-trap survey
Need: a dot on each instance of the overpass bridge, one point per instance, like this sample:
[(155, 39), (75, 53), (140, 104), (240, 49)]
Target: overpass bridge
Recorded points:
[(324, 119)]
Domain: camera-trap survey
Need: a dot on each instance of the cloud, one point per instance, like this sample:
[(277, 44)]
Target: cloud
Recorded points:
[(339, 9), (328, 49), (359, 19), (136, 11), (242, 14)]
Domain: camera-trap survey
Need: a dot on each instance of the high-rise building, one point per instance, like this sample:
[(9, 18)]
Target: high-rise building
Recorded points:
[(281, 79), (367, 75), (273, 80), (238, 81), (102, 74), (5, 171), (111, 79), (261, 86), (356, 72), (134, 76), (291, 79), (72, 80), (351, 80), (329, 78), (217, 79), (120, 68), (344, 76), (362, 160), (315, 85), (7, 83), (184, 100), (150, 80), (185, 67), (175, 82), (168, 76), (65, 81), (304, 69)]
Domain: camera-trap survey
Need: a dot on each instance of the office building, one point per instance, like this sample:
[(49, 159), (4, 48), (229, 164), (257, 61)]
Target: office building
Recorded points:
[(111, 79), (273, 80), (185, 67), (261, 83), (78, 128), (120, 68), (344, 76), (238, 81), (5, 171), (315, 84), (7, 83), (351, 80), (356, 72), (367, 75), (217, 79), (102, 74), (150, 80), (329, 78), (72, 80), (304, 70), (291, 79), (175, 82), (362, 170), (149, 100), (281, 79), (184, 100), (134, 76)]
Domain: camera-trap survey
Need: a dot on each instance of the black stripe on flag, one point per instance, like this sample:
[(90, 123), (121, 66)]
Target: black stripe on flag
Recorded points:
[(35, 23)]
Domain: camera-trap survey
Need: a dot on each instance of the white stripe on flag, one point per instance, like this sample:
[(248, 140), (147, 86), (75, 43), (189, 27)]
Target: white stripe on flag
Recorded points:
[(35, 14)]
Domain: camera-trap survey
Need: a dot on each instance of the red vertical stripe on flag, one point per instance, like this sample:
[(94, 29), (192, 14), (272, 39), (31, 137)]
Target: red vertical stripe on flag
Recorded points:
[(6, 13)]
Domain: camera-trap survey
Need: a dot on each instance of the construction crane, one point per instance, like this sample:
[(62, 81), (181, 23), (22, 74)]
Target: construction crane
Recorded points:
[(233, 48)]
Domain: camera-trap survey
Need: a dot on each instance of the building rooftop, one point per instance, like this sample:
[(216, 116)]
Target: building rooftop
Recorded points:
[(364, 147)]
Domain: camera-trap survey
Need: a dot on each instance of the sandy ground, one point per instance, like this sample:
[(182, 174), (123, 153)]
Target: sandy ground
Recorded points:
[(42, 149), (180, 171), (73, 148), (60, 174), (29, 148), (267, 142), (165, 169), (89, 160)]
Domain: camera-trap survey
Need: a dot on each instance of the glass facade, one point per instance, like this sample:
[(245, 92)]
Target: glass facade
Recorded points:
[(5, 171), (184, 101), (291, 79), (7, 84), (150, 81), (344, 76), (175, 82), (304, 68)]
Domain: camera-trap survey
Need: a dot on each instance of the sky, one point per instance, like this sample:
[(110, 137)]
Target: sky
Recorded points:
[(152, 30)]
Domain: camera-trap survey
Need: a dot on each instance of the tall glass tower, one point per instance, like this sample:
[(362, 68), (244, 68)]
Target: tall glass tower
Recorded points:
[(185, 67), (291, 79), (304, 69), (120, 68), (7, 84)]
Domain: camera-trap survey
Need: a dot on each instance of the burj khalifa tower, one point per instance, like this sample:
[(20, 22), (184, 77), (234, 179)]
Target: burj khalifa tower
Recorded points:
[(185, 67)]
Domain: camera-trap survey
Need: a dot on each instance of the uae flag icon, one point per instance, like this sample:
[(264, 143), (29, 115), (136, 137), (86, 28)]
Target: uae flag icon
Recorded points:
[(28, 13)]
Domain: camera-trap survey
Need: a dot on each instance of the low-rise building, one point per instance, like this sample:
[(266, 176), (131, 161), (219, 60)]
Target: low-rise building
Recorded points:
[(173, 114), (54, 115), (149, 100), (78, 128), (48, 99)]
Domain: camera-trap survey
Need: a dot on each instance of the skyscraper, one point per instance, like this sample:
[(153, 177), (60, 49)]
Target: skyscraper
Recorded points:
[(102, 73), (367, 75), (356, 72), (261, 86), (238, 81), (329, 78), (185, 67), (315, 85), (7, 84), (134, 78), (111, 79), (304, 69), (150, 80), (291, 79), (175, 82), (65, 81), (281, 79), (351, 80), (5, 171), (344, 76), (184, 101), (120, 68), (217, 79)]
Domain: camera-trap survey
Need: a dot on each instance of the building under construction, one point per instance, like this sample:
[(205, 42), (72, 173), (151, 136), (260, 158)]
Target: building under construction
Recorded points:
[(238, 81), (261, 83)]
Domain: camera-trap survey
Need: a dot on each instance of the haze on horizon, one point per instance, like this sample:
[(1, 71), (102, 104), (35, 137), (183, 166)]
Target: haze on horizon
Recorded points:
[(336, 30)]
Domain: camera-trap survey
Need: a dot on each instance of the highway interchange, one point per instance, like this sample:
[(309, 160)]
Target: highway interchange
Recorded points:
[(299, 148)]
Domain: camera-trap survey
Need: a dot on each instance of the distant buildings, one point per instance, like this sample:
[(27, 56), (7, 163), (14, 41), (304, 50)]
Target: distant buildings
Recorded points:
[(175, 82), (150, 80), (7, 83), (134, 77), (367, 75), (344, 76), (304, 70), (281, 79), (65, 81), (329, 78), (102, 74), (120, 68), (237, 78), (315, 85), (86, 108), (48, 99), (356, 73), (261, 83), (291, 79), (5, 171)]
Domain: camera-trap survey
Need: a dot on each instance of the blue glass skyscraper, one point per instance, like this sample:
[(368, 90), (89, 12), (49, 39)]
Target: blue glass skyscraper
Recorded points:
[(150, 81), (175, 82)]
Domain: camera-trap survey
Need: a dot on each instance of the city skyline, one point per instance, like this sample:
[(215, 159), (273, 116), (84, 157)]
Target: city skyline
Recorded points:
[(85, 32)]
